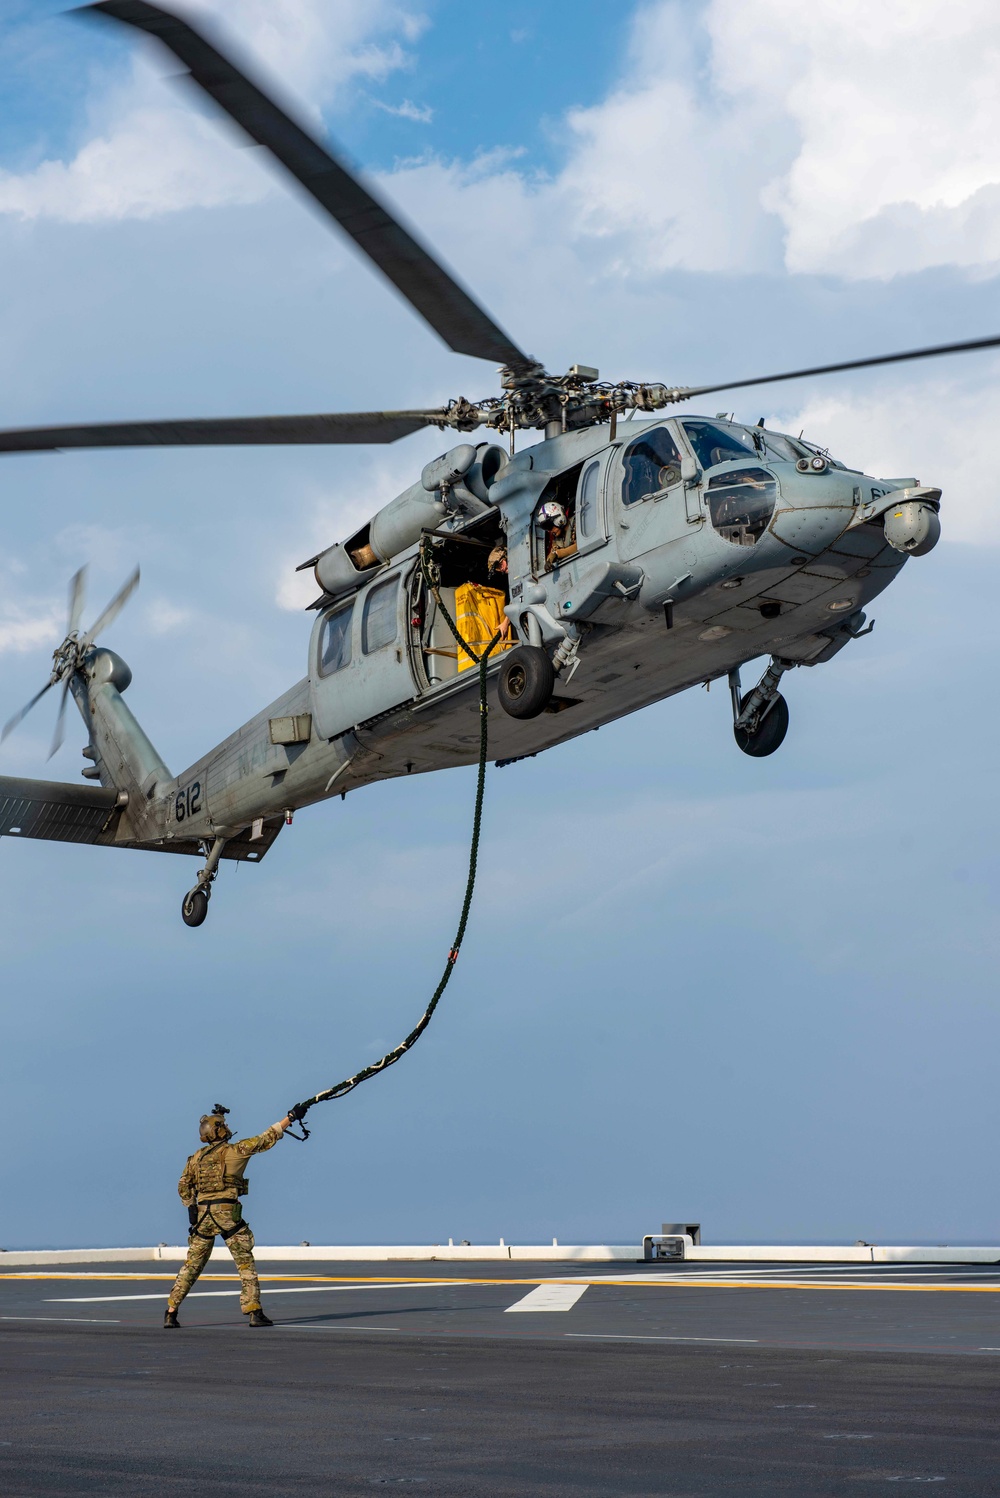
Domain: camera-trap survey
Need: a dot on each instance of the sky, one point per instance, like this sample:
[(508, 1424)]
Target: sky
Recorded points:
[(756, 994)]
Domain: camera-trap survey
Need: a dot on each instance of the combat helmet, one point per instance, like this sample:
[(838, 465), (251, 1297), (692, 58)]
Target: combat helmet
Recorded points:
[(213, 1128)]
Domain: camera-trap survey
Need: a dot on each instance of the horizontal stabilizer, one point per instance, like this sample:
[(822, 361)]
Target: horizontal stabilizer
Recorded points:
[(53, 810), (62, 813)]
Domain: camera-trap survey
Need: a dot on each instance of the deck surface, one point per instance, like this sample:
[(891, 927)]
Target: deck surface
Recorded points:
[(637, 1379)]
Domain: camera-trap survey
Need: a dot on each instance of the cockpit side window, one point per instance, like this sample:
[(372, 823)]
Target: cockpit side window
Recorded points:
[(716, 444), (741, 503), (335, 641), (652, 464)]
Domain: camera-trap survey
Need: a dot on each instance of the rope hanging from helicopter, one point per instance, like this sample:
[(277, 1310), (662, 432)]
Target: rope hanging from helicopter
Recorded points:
[(432, 577)]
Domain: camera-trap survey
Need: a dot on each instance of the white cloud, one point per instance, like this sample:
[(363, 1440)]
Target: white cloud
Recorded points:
[(835, 138), (673, 162), (870, 136), (420, 114), (23, 630), (151, 151), (164, 617), (899, 120), (937, 431), (295, 590)]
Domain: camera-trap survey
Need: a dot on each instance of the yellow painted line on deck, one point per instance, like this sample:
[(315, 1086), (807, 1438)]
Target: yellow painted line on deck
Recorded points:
[(665, 1283)]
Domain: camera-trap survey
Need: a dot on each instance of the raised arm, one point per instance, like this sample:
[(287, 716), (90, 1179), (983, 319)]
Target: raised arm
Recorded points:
[(257, 1143)]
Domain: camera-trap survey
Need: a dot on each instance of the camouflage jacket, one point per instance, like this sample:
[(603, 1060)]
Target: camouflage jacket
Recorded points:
[(216, 1173)]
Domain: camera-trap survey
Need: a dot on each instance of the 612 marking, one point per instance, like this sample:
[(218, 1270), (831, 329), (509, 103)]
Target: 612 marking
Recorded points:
[(188, 802)]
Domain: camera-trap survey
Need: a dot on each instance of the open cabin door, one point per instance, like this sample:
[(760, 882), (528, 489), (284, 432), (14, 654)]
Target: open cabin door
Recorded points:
[(358, 659)]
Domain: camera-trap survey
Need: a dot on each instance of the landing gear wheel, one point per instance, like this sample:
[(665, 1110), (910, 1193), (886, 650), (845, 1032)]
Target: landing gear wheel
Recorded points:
[(770, 733), (194, 907), (526, 682)]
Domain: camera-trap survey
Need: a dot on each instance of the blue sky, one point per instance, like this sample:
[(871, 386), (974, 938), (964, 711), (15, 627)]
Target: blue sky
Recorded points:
[(759, 994), (450, 85)]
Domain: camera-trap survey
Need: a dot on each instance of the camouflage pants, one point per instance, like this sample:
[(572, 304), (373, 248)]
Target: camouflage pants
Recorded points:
[(221, 1216)]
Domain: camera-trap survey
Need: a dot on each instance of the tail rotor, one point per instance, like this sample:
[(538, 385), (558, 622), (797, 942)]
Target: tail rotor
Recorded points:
[(68, 658)]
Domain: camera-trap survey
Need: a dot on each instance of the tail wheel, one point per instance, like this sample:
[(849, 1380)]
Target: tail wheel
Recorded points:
[(526, 682), (194, 907), (770, 731)]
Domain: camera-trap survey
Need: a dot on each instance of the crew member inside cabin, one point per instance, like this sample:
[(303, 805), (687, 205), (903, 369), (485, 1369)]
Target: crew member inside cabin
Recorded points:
[(560, 533)]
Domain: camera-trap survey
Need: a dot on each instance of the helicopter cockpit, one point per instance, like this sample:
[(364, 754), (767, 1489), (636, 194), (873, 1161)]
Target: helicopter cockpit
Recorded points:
[(713, 444), (740, 500), (652, 464)]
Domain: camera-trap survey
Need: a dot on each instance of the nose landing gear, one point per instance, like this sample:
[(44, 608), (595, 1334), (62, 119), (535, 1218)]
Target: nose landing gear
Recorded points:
[(194, 906), (760, 719)]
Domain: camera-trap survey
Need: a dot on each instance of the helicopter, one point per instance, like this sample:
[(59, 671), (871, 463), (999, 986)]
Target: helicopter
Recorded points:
[(615, 562)]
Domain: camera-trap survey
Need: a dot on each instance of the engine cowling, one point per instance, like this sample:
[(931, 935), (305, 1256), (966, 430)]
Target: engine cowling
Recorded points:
[(457, 482)]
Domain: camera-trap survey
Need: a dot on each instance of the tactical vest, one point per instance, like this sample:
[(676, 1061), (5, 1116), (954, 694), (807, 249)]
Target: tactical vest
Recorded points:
[(218, 1173)]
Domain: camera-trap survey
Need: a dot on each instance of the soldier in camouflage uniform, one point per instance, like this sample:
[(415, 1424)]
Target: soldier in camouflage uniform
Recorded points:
[(210, 1188)]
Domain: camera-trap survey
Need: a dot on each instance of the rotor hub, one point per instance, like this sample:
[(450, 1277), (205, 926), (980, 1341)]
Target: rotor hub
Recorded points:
[(67, 657), (534, 399)]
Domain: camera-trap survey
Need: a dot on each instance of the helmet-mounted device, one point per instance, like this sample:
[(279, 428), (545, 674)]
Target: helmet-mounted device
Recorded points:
[(213, 1126)]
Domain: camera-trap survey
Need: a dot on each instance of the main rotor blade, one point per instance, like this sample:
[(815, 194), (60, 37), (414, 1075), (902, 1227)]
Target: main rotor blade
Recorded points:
[(224, 431), (12, 723), (77, 593), (59, 732), (800, 374), (427, 286), (112, 611)]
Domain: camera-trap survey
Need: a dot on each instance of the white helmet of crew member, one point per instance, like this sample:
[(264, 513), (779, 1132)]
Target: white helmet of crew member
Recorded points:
[(552, 514)]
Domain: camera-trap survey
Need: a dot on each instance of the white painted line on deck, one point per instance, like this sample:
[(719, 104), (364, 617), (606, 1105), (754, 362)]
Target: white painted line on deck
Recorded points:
[(80, 1320), (633, 1337), (550, 1298), (78, 1300)]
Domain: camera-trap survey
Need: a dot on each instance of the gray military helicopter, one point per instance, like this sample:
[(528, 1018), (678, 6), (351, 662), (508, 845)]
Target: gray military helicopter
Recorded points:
[(627, 560)]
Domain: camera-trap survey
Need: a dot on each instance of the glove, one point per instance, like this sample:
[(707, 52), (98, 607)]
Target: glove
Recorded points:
[(298, 1111), (193, 1216)]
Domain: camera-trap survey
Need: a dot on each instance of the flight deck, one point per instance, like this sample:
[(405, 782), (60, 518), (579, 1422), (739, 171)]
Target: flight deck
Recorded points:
[(502, 1378)]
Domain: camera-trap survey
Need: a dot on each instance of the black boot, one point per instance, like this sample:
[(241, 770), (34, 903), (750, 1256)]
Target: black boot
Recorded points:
[(170, 1317), (257, 1318)]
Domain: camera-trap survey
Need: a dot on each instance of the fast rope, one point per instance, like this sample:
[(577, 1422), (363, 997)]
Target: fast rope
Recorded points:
[(432, 576)]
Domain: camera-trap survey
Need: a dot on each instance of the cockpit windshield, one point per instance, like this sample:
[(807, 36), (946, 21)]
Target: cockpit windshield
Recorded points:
[(717, 442), (714, 444), (780, 446)]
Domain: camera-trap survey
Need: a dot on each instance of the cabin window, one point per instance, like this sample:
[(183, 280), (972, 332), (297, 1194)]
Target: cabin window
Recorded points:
[(586, 504), (335, 642), (652, 464), (714, 444), (741, 503), (379, 626)]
